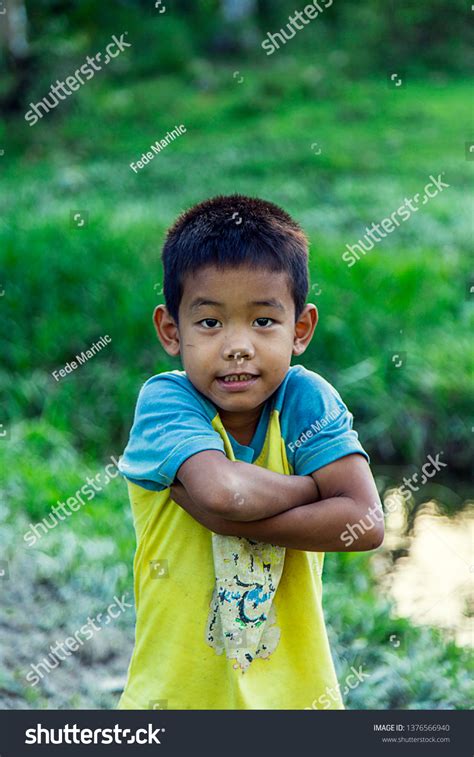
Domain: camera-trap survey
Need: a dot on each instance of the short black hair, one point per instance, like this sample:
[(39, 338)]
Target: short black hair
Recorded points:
[(229, 231)]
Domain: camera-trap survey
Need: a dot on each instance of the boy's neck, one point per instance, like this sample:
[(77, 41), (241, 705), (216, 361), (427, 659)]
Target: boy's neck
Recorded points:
[(242, 426)]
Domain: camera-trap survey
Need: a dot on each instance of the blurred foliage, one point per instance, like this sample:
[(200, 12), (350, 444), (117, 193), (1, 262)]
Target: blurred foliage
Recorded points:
[(367, 37)]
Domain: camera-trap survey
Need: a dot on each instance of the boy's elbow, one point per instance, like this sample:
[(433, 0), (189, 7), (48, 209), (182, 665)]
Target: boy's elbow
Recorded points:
[(376, 539), (373, 539), (368, 531)]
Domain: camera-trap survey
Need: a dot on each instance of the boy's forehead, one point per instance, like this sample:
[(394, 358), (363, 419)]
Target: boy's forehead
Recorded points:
[(241, 284)]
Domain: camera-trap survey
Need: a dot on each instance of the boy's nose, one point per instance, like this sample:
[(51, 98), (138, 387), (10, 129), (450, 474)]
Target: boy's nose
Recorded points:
[(238, 354)]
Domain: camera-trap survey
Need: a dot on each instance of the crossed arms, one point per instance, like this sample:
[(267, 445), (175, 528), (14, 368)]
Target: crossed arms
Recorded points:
[(234, 498)]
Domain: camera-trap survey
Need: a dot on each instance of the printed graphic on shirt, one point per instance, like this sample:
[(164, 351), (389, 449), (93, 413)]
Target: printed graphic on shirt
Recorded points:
[(242, 619)]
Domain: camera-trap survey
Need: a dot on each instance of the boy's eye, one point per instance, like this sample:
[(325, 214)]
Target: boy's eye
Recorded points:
[(211, 321)]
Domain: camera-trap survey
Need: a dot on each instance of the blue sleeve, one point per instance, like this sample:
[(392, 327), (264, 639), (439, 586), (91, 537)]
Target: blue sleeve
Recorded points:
[(170, 425), (316, 424)]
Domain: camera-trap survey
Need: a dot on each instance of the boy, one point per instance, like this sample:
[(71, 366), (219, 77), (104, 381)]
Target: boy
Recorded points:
[(242, 471)]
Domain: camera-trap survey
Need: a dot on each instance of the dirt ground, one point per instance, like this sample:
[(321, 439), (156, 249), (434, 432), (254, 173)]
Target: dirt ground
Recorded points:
[(37, 610)]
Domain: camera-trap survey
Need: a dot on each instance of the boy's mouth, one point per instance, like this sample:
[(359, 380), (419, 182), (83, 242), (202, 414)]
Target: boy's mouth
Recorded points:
[(235, 382)]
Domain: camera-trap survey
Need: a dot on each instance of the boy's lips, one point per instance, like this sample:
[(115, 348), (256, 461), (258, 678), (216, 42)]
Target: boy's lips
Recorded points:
[(239, 384)]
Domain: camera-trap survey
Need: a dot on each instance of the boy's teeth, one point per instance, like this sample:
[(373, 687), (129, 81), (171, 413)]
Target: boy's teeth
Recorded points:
[(242, 377)]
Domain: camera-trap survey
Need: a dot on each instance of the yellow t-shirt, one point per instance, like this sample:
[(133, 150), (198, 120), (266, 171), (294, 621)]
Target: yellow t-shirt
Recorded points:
[(225, 622)]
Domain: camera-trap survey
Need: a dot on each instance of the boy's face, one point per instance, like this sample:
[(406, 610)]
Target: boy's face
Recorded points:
[(235, 321)]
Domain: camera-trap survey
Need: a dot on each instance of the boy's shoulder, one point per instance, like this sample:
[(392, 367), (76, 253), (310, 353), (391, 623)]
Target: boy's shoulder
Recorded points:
[(299, 374), (169, 388), (302, 387), (168, 382), (315, 424), (175, 376)]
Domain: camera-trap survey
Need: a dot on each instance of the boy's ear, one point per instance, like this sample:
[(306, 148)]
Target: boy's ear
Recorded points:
[(304, 329), (166, 330)]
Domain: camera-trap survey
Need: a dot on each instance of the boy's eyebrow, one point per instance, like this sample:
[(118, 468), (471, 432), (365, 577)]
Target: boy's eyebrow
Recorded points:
[(272, 303), (200, 301)]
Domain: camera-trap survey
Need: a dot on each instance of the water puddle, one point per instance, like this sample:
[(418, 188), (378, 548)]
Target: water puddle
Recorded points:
[(431, 582)]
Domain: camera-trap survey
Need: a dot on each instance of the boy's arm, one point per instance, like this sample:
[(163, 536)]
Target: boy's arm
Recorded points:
[(348, 495), (241, 491)]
